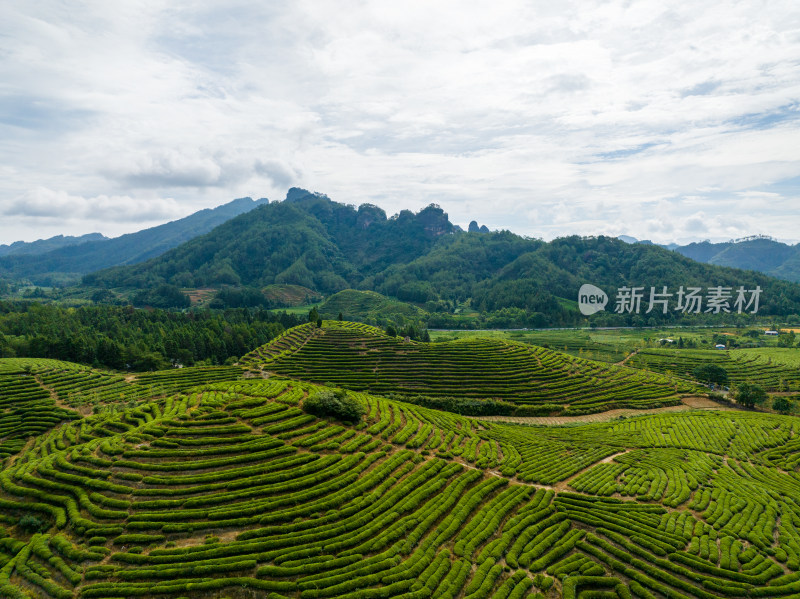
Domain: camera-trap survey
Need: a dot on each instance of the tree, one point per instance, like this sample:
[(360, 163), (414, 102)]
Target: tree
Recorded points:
[(710, 373), (748, 395), (313, 315), (391, 331), (336, 403), (786, 339), (340, 317), (782, 405)]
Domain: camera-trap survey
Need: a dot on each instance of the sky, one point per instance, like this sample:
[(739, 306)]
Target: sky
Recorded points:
[(664, 120)]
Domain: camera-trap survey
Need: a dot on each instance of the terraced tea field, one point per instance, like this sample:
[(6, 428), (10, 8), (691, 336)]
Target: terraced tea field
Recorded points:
[(231, 490), (771, 368), (38, 394), (362, 358)]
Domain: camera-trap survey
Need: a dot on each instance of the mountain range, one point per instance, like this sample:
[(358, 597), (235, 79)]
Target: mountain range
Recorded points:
[(759, 253), (60, 258), (311, 241), (42, 246)]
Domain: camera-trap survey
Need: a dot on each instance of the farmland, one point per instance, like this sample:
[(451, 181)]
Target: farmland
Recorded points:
[(741, 365), (362, 358), (215, 482)]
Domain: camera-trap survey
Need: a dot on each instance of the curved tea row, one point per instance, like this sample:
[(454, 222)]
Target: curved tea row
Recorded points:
[(362, 358), (233, 486)]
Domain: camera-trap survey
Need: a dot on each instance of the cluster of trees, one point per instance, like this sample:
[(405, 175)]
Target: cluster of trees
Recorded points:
[(746, 394), (750, 395), (122, 337), (711, 374), (413, 331)]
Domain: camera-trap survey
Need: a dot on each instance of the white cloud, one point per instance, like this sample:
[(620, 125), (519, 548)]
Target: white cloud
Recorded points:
[(59, 205), (575, 117)]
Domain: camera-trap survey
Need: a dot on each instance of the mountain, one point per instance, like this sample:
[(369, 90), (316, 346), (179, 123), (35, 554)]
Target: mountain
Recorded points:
[(42, 246), (132, 248), (312, 241), (306, 240), (759, 253), (755, 253)]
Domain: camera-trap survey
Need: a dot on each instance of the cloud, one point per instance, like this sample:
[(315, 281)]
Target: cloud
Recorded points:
[(170, 169), (280, 173), (49, 204), (585, 116)]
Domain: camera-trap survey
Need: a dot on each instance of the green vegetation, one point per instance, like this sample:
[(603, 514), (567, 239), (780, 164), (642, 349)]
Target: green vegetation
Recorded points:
[(369, 307), (741, 366), (460, 279), (749, 395), (756, 253), (710, 373), (362, 358), (336, 403), (123, 338), (231, 488)]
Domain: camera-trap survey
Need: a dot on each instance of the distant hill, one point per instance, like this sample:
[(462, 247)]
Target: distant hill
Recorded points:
[(42, 246), (759, 253), (421, 258), (132, 248), (762, 254), (353, 304)]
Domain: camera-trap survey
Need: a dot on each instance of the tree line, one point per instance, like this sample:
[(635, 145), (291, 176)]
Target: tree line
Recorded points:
[(125, 338)]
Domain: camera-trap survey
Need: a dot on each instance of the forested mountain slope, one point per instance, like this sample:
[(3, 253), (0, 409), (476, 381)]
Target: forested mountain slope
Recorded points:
[(762, 254), (42, 246), (126, 249), (326, 246)]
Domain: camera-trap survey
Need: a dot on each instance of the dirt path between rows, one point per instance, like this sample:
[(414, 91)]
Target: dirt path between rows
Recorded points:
[(687, 403)]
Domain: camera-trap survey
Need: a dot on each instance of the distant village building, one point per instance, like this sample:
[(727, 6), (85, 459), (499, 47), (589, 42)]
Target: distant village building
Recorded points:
[(719, 346), (771, 333)]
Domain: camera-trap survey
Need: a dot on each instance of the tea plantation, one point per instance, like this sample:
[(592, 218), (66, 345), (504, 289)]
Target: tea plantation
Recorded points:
[(362, 358), (756, 366), (200, 483)]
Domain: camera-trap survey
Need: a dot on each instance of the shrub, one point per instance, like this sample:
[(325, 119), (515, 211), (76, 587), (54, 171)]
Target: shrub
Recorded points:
[(336, 403), (32, 524), (782, 405)]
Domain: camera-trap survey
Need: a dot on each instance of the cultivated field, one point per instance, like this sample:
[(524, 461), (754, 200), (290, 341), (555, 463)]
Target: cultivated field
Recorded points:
[(199, 483), (362, 358)]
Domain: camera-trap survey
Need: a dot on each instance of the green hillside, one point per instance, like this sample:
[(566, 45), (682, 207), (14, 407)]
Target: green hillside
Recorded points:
[(360, 305), (42, 246), (231, 490), (421, 258), (77, 259), (742, 366), (759, 253), (362, 358)]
